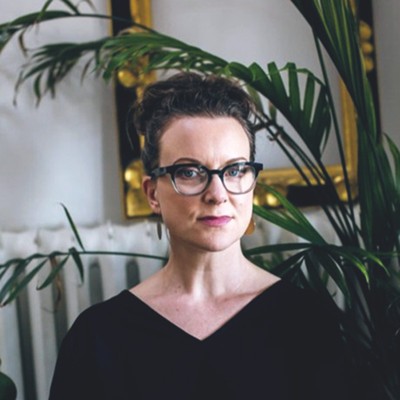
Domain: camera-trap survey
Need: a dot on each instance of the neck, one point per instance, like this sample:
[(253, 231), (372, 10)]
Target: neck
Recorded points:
[(206, 274)]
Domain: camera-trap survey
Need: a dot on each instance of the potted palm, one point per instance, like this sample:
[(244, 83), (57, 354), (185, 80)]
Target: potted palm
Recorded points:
[(8, 390), (364, 267)]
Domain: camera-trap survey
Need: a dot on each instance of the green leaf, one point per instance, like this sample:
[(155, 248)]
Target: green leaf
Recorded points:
[(353, 260), (240, 71), (396, 161), (314, 278), (8, 390), (292, 219), (54, 272), (309, 98), (275, 248), (18, 287), (73, 227), (294, 93), (33, 18), (290, 267), (78, 262), (320, 126), (335, 26), (12, 281), (255, 97), (280, 99), (332, 266)]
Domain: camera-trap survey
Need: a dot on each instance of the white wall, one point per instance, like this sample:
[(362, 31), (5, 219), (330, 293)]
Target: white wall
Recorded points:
[(65, 150)]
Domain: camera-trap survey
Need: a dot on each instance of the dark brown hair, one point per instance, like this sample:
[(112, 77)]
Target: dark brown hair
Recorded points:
[(189, 94)]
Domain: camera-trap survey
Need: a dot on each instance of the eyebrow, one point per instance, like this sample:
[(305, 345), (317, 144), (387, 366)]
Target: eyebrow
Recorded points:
[(195, 161)]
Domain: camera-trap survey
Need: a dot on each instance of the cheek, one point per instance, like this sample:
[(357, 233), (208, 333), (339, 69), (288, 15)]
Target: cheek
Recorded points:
[(245, 206), (173, 204)]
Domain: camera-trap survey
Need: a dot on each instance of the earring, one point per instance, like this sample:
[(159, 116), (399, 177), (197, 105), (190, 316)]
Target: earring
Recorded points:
[(251, 227), (159, 229)]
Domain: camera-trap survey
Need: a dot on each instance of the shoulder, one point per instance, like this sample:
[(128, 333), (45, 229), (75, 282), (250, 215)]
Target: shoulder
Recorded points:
[(304, 310), (111, 304), (91, 349), (308, 323), (298, 297), (106, 325), (107, 313)]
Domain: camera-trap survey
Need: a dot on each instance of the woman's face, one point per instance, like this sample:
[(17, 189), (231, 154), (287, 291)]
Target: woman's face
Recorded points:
[(215, 219)]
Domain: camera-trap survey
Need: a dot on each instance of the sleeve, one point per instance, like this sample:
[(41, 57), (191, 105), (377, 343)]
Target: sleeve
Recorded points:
[(75, 373), (323, 362)]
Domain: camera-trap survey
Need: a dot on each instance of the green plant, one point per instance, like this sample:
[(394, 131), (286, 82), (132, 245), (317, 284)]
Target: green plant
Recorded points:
[(8, 390), (365, 266)]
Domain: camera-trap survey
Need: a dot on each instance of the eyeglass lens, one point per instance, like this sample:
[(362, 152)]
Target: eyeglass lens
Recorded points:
[(237, 178)]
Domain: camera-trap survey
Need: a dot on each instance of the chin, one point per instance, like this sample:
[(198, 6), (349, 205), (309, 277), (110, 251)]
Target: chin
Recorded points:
[(217, 243)]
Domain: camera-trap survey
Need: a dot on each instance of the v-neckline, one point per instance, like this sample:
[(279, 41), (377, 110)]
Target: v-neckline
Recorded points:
[(223, 327)]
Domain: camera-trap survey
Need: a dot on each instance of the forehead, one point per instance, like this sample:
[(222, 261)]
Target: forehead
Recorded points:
[(212, 140)]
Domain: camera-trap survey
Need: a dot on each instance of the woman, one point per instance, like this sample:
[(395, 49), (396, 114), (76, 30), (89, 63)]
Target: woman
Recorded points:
[(210, 324)]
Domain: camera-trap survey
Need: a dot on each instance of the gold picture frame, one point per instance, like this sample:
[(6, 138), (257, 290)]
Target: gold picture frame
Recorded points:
[(283, 179)]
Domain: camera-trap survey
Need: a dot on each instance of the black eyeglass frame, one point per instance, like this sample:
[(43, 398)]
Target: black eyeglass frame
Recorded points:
[(171, 169)]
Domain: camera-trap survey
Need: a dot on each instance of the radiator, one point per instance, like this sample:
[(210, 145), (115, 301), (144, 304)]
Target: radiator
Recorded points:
[(32, 327)]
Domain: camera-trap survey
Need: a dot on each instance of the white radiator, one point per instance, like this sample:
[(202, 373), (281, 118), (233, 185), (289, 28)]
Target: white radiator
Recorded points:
[(32, 327)]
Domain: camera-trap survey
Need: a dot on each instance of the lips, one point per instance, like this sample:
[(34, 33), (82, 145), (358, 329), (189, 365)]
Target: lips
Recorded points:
[(212, 220)]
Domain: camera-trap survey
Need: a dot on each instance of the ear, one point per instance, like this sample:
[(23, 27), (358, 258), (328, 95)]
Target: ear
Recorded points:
[(150, 189)]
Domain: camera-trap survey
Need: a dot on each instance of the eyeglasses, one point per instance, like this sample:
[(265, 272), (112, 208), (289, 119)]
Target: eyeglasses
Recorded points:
[(193, 179)]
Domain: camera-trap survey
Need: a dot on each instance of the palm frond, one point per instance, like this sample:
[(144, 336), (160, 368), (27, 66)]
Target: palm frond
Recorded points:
[(13, 272), (335, 24)]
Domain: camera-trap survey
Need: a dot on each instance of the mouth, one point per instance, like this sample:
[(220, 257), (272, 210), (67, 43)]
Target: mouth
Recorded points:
[(211, 220)]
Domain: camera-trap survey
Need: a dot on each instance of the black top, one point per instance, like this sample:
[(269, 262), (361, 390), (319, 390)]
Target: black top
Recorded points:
[(283, 345)]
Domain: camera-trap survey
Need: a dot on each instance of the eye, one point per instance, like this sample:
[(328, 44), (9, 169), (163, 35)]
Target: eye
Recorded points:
[(188, 173), (236, 171)]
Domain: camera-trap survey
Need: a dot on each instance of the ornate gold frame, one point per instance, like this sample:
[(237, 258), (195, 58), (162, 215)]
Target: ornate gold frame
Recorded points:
[(141, 12), (281, 178)]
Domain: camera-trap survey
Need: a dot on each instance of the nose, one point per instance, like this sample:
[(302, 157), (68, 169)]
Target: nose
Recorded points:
[(216, 192)]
